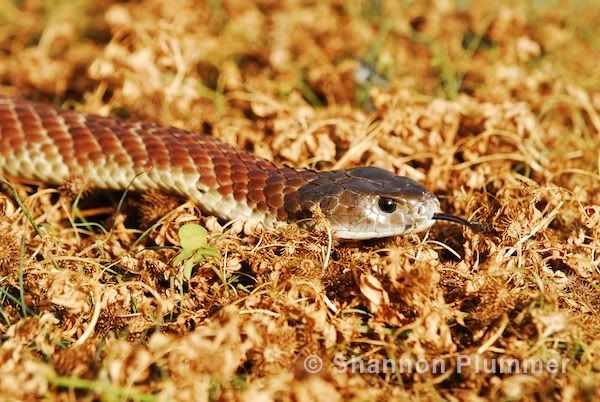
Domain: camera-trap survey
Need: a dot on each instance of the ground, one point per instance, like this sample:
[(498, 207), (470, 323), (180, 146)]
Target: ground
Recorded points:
[(494, 106)]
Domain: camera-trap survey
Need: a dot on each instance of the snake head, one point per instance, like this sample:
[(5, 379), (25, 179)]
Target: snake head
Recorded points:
[(369, 202)]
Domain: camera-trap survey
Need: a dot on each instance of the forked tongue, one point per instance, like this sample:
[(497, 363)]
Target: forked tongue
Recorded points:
[(475, 226)]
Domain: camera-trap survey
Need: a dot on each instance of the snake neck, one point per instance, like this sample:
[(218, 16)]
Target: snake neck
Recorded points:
[(270, 191)]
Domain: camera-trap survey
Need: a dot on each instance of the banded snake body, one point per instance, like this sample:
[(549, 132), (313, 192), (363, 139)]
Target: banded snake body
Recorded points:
[(40, 142)]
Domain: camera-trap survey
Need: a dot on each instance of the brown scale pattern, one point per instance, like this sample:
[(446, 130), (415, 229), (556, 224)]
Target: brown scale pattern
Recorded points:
[(77, 140)]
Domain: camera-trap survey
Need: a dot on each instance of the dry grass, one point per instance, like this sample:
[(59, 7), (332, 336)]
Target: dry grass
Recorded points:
[(496, 108)]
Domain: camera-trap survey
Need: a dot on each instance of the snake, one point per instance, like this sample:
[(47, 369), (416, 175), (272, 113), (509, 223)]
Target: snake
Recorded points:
[(41, 142)]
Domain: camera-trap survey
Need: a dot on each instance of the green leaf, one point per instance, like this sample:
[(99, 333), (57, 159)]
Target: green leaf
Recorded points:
[(209, 252), (183, 255), (187, 268), (192, 236)]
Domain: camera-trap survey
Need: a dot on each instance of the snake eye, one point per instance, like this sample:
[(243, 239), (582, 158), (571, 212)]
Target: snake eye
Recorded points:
[(387, 205)]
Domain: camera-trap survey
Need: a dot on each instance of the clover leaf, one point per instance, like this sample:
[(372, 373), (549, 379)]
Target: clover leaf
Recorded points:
[(194, 248)]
